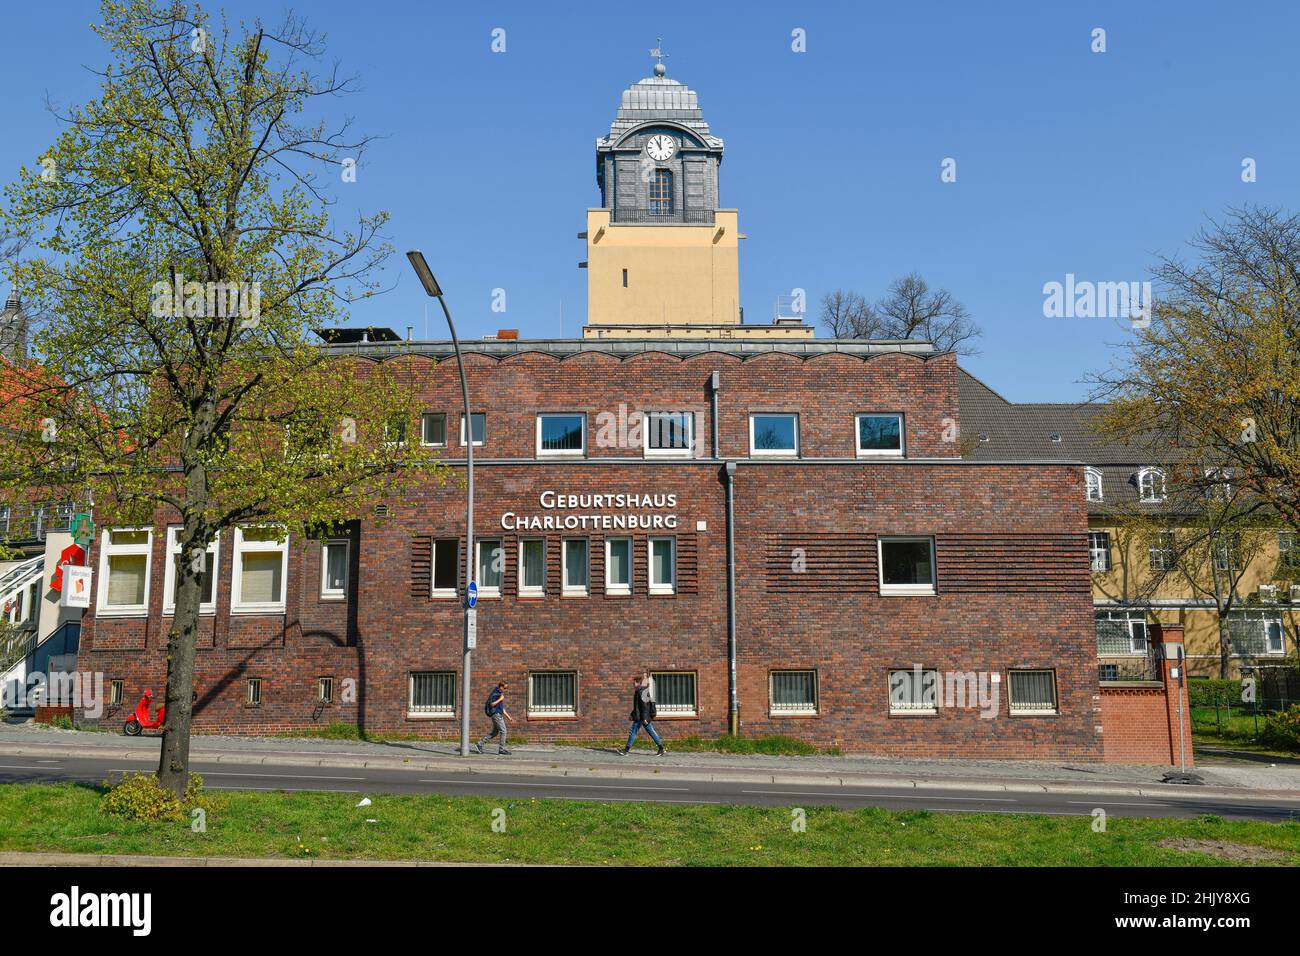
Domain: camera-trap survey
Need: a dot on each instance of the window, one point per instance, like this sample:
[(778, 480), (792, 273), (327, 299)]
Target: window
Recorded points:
[(553, 694), (669, 434), (624, 278), (172, 577), (914, 691), (261, 565), (325, 690), (618, 565), (432, 694), (774, 435), (1227, 551), (1288, 549), (661, 193), (1151, 485), (532, 566), (793, 693), (480, 428), (1099, 550), (1120, 633), (575, 566), (254, 694), (906, 565), (55, 517), (446, 567), (116, 690), (1218, 484), (663, 565), (1032, 692), (433, 429), (1256, 633), (1163, 555), (395, 431), (4, 519), (561, 435), (334, 569), (1092, 484), (124, 571), (674, 693), (880, 435), (491, 564)]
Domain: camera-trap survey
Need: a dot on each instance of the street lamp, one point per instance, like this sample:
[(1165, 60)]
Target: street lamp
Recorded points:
[(431, 286)]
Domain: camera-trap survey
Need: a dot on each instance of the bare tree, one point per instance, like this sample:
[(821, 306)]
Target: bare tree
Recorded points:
[(846, 315), (912, 310)]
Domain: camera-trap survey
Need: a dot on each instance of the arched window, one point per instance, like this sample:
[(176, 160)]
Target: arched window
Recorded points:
[(661, 193), (1151, 485), (1092, 483)]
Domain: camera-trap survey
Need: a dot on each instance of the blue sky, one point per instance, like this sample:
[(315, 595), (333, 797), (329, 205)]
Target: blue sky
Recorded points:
[(1068, 161)]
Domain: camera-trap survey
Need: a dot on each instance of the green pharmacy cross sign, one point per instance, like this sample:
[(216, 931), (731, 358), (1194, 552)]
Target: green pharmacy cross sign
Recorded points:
[(83, 529)]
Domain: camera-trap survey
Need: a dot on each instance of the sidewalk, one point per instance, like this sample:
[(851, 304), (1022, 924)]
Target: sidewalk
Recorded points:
[(1248, 782)]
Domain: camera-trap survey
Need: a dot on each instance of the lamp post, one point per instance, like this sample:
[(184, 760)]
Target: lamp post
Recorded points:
[(434, 290)]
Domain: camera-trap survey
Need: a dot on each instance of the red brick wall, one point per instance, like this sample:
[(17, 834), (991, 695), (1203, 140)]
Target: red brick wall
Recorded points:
[(1141, 722)]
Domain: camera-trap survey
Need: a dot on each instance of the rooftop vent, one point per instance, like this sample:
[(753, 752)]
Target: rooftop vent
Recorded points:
[(1055, 436)]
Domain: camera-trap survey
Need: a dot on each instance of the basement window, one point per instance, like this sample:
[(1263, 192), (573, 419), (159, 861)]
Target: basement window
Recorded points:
[(325, 690), (432, 694), (254, 694), (1032, 692), (793, 693), (914, 691), (553, 694)]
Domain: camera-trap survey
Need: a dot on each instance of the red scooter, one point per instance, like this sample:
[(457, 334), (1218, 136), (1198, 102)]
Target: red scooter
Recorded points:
[(140, 719)]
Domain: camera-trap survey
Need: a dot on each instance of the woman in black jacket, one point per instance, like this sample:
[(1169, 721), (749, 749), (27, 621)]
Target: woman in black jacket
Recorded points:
[(643, 712)]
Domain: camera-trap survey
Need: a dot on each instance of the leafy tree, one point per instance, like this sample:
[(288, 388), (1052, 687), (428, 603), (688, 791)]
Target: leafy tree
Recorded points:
[(194, 171)]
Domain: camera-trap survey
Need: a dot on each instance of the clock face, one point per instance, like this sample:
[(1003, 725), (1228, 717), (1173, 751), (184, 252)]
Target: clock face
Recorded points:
[(660, 147)]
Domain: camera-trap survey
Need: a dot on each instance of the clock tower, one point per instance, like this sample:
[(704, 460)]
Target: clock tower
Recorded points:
[(662, 254)]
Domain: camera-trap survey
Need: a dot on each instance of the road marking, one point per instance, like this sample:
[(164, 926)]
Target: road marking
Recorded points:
[(1045, 813), (566, 786), (881, 796), (295, 789), (47, 761), (296, 776), (9, 766), (1112, 803)]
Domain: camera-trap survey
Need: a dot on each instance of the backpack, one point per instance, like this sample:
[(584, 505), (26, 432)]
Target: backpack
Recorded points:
[(488, 709)]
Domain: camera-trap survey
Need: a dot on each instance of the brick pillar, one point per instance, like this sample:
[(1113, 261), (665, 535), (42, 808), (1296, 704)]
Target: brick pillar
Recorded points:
[(1170, 639)]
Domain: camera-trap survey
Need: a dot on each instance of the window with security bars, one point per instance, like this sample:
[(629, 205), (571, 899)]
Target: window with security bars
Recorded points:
[(793, 692), (661, 193), (116, 688), (1033, 692), (553, 694), (913, 691), (325, 690), (674, 693), (432, 693), (254, 697)]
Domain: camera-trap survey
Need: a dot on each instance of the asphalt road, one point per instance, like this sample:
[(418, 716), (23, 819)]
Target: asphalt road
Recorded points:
[(363, 781)]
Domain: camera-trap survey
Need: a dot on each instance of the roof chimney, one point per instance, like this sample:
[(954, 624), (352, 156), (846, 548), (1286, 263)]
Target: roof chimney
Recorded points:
[(13, 329)]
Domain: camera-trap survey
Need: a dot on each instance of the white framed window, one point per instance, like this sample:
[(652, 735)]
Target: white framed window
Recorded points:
[(674, 693), (431, 694), (561, 435), (1227, 550), (433, 429), (553, 694), (491, 564), (480, 428), (792, 693), (1256, 633), (1099, 550), (4, 519), (1162, 552), (576, 560), (879, 436), (446, 567), (662, 553), (1151, 485), (395, 431), (207, 578), (324, 690), (618, 565), (261, 567), (1032, 692), (1218, 484), (906, 565), (334, 568), (1288, 549), (1120, 633), (253, 692), (774, 435), (1092, 484), (124, 571), (669, 434), (532, 567), (116, 690), (914, 691)]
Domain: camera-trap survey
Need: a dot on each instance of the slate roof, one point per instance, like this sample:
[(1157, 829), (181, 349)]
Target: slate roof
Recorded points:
[(658, 98), (995, 429)]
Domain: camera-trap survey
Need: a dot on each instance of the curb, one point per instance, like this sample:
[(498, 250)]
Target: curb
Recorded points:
[(670, 773)]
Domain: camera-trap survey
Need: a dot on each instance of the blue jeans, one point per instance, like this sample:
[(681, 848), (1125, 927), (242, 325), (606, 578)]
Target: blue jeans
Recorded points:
[(649, 728)]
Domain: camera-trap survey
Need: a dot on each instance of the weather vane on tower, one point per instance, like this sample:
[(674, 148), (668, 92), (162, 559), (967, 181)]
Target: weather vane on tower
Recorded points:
[(659, 54)]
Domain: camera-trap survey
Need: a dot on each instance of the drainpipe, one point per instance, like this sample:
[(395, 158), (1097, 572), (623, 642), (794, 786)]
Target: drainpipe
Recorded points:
[(733, 715), (715, 386)]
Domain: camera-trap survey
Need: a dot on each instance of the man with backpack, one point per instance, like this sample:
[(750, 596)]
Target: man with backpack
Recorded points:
[(495, 707), (643, 713)]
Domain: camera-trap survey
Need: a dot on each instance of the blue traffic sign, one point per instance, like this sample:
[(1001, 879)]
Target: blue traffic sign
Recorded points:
[(471, 594)]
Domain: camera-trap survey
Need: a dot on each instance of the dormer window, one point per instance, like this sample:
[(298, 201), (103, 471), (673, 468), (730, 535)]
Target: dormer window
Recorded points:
[(1151, 485), (661, 193), (1218, 484), (1092, 484)]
